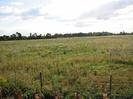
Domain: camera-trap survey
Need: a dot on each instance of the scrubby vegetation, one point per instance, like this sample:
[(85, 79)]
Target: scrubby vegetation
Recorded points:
[(68, 65), (19, 36)]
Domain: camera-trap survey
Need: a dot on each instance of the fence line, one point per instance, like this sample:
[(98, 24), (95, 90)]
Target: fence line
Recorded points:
[(107, 92)]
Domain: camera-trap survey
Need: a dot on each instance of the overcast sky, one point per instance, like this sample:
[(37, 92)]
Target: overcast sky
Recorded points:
[(65, 16)]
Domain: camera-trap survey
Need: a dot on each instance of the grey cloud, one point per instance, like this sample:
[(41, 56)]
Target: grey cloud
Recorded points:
[(35, 12), (81, 24), (31, 12), (4, 14), (32, 7), (51, 17), (108, 10), (5, 11), (57, 18)]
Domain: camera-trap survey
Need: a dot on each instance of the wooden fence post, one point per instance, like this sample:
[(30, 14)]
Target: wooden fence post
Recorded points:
[(37, 96), (0, 93), (41, 81), (77, 96), (18, 95), (59, 96), (110, 87), (105, 96)]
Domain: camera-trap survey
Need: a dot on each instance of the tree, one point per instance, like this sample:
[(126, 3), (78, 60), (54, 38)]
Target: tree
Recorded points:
[(48, 35), (13, 36), (18, 35)]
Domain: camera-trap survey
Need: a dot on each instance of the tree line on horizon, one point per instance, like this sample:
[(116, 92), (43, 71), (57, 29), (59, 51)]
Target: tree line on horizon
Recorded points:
[(19, 36)]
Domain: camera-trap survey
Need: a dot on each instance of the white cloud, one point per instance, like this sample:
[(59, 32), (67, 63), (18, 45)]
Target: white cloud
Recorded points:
[(6, 9), (17, 3), (70, 9), (107, 10), (65, 16)]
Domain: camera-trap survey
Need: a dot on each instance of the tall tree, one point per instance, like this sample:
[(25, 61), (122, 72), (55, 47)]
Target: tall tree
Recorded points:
[(18, 35)]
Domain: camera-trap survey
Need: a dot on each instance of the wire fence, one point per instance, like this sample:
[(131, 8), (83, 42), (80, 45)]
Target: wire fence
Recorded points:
[(109, 86)]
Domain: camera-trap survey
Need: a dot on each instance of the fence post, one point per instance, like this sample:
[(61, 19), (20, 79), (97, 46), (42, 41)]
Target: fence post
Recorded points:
[(41, 81), (77, 95), (37, 96), (110, 87), (15, 80), (18, 95), (1, 93)]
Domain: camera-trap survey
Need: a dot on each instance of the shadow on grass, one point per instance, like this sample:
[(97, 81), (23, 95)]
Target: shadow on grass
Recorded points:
[(123, 62)]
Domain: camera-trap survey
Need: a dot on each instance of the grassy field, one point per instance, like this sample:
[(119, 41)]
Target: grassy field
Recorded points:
[(68, 65)]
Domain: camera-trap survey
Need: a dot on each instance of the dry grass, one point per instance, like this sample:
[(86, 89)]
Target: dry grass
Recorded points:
[(67, 64)]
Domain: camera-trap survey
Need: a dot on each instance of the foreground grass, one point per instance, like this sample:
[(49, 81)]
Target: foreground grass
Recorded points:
[(68, 64)]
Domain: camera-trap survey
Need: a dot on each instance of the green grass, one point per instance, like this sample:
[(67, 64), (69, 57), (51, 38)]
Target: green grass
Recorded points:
[(68, 64)]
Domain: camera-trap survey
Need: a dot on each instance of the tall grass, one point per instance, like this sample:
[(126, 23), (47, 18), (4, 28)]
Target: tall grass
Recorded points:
[(67, 64)]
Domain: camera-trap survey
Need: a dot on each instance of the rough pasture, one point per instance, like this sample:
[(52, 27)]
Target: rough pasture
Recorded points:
[(68, 65)]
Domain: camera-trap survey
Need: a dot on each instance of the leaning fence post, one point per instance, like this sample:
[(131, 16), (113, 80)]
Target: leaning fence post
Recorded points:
[(110, 86)]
